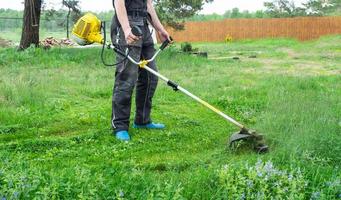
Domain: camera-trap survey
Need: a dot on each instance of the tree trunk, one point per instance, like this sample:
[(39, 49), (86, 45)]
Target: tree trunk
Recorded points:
[(67, 24), (31, 20)]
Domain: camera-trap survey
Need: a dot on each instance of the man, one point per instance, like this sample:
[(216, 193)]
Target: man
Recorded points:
[(130, 13)]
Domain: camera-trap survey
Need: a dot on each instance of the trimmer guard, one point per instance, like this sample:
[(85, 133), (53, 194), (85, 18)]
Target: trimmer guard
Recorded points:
[(251, 137)]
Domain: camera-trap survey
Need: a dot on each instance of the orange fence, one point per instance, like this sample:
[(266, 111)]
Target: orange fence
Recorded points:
[(302, 28)]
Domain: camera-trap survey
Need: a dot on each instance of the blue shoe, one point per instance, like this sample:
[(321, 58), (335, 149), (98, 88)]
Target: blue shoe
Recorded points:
[(123, 135), (150, 126)]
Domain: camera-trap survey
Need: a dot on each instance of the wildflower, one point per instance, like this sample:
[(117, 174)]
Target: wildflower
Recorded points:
[(121, 194), (276, 184), (290, 176), (333, 184), (259, 174), (16, 195), (243, 196), (249, 183), (259, 163), (315, 195), (260, 195), (268, 167)]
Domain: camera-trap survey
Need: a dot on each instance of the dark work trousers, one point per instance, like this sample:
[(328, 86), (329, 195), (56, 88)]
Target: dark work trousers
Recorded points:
[(128, 75)]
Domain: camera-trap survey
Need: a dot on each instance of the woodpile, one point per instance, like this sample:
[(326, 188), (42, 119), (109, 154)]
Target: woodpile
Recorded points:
[(52, 42)]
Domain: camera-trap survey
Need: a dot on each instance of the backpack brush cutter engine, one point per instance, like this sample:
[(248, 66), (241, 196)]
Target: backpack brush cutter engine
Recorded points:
[(88, 30)]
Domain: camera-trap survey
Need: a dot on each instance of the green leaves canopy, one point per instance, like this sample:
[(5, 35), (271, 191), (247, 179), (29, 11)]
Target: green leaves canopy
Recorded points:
[(173, 12)]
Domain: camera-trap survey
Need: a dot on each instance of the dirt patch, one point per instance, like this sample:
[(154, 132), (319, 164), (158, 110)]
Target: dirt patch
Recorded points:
[(5, 43)]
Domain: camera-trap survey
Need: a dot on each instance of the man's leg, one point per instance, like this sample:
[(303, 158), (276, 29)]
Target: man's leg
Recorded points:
[(125, 79), (145, 89)]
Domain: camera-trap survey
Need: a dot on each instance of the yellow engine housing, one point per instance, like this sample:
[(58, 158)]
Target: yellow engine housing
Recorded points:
[(87, 30)]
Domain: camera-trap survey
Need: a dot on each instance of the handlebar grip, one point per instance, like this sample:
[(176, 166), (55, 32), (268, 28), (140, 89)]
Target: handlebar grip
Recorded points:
[(136, 31), (166, 43)]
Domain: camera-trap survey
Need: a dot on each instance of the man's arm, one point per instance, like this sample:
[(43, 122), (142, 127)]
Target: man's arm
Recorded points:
[(121, 12), (156, 21)]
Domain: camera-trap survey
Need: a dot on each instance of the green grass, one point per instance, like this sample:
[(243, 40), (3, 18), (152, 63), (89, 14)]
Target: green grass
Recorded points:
[(56, 141)]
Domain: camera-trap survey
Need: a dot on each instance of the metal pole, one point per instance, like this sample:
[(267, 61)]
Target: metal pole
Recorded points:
[(183, 90)]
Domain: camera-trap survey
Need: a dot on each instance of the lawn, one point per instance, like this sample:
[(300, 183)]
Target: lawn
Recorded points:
[(56, 141)]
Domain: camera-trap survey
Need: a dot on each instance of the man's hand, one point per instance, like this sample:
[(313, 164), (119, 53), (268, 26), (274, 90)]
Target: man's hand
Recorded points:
[(130, 37), (164, 35)]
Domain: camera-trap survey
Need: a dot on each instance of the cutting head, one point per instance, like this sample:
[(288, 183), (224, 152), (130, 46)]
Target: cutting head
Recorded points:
[(251, 137)]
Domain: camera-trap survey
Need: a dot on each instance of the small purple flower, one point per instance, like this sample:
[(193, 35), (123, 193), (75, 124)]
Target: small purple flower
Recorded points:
[(290, 177), (260, 195), (276, 184), (16, 195), (249, 183), (259, 162), (121, 193), (268, 167), (315, 195), (243, 196), (333, 184), (259, 174), (3, 198)]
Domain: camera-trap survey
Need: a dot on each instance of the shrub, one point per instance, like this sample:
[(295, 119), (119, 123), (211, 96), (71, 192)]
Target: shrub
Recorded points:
[(186, 47)]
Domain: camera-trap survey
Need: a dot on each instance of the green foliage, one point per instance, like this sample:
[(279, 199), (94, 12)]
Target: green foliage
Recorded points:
[(173, 12), (186, 47), (10, 13), (261, 181), (283, 8), (56, 140), (286, 8), (321, 8), (229, 14)]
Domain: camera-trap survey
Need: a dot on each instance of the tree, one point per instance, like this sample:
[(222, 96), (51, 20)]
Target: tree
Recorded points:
[(322, 7), (283, 8), (174, 12), (235, 13), (72, 6), (31, 21), (259, 14), (227, 14), (246, 14)]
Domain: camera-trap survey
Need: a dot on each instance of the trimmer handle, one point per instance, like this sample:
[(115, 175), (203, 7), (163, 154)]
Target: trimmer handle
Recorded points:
[(117, 50), (136, 31), (166, 43)]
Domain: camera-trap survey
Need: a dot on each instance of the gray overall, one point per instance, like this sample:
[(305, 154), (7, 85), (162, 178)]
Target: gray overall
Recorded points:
[(128, 74)]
